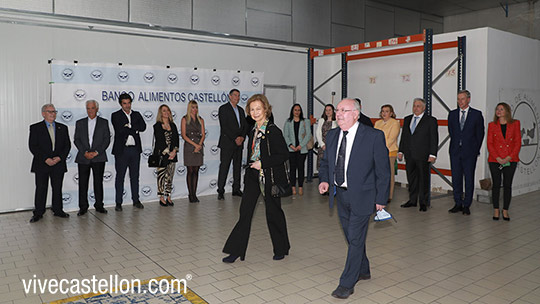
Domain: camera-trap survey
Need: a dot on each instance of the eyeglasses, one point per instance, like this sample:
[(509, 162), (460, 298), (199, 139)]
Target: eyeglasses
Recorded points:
[(343, 111), (50, 112)]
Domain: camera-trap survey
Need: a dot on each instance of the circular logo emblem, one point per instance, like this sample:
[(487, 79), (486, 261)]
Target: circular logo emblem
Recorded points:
[(76, 178), (66, 198), (181, 170), (213, 184), (96, 75), (235, 81), (194, 79), (107, 176), (202, 169), (79, 94), (146, 153), (214, 150), (255, 81), (123, 76), (174, 116), (244, 98), (92, 196), (172, 78), (67, 116), (68, 158), (146, 190), (215, 80), (230, 181), (148, 115), (68, 74), (149, 77), (529, 132), (215, 115)]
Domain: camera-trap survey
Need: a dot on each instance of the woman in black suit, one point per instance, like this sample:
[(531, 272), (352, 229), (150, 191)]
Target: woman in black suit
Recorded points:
[(267, 154), (167, 141)]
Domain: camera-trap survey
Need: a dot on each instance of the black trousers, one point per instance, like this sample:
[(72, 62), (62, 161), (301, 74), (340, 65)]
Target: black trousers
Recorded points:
[(225, 158), (131, 158), (42, 187), (297, 162), (418, 178), (462, 166), (507, 174), (84, 178), (275, 218)]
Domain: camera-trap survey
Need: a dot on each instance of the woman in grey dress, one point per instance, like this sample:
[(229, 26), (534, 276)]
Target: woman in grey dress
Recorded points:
[(193, 135)]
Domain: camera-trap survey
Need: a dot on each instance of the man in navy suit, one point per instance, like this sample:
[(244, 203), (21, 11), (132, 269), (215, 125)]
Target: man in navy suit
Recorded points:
[(233, 130), (360, 183), (419, 144), (127, 149), (50, 145), (92, 138), (466, 129)]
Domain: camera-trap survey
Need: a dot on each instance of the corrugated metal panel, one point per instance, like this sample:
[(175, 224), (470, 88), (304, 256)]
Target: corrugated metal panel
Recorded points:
[(379, 24), (348, 12), (346, 35), (225, 16), (406, 22), (269, 25), (173, 13), (101, 9), (45, 6), (311, 22), (275, 6)]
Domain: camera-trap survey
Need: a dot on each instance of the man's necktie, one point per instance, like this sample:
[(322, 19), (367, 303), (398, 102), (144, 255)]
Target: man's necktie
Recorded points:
[(413, 127), (462, 120), (51, 134), (340, 164)]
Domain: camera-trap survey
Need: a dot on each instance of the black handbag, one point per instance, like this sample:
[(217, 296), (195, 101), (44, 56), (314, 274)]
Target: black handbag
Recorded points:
[(157, 160), (279, 190)]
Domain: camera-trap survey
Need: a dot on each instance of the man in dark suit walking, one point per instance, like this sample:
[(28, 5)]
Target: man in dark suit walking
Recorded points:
[(466, 129), (49, 143), (127, 149), (92, 138), (360, 183), (419, 143), (233, 130)]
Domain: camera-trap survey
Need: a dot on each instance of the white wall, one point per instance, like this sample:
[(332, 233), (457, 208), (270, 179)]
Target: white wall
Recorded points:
[(24, 78)]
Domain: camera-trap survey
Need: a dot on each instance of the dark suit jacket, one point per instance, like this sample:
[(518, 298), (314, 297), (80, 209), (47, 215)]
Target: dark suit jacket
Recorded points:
[(100, 140), (275, 160), (40, 145), (160, 144), (423, 142), (472, 135), (365, 120), (229, 129), (121, 131), (368, 171)]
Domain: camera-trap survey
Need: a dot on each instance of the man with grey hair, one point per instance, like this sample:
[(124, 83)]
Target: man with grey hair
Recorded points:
[(419, 144), (49, 144), (92, 138), (360, 185)]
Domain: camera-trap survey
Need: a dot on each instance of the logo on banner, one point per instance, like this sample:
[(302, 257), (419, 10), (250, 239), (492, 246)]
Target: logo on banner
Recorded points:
[(181, 170), (206, 132), (68, 74), (230, 181), (203, 168), (155, 172), (214, 150), (235, 81), (172, 78), (244, 98), (107, 176), (212, 184), (146, 190), (146, 153), (172, 188), (76, 178), (124, 193), (148, 115), (255, 81), (92, 196), (215, 114), (526, 111), (68, 157), (67, 116), (194, 79), (96, 75), (149, 77), (174, 116), (80, 94), (123, 76), (215, 80), (66, 198)]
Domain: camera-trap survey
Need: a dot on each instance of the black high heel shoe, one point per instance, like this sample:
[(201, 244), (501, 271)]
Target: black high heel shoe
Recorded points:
[(232, 258), (162, 204), (170, 202), (504, 217)]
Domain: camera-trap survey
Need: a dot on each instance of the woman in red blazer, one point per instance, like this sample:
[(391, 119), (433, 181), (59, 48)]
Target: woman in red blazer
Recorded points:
[(504, 143)]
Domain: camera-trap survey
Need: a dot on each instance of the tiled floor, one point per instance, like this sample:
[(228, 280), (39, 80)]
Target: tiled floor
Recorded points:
[(432, 257)]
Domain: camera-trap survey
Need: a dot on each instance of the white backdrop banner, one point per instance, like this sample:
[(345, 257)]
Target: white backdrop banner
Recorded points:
[(150, 86), (525, 106)]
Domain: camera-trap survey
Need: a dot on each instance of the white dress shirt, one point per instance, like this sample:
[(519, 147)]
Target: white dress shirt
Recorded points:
[(91, 129), (130, 140)]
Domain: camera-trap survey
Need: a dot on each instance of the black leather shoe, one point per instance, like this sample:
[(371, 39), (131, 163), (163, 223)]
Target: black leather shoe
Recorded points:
[(466, 211), (364, 277), (36, 218), (506, 218), (237, 193), (407, 205), (232, 258), (220, 197), (342, 292), (170, 202), (278, 257), (101, 210), (457, 208), (423, 208), (81, 212), (62, 215), (118, 207), (138, 205)]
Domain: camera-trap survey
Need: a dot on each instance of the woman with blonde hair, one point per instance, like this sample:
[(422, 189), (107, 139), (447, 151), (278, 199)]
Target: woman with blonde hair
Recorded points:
[(166, 143), (390, 126), (193, 135)]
